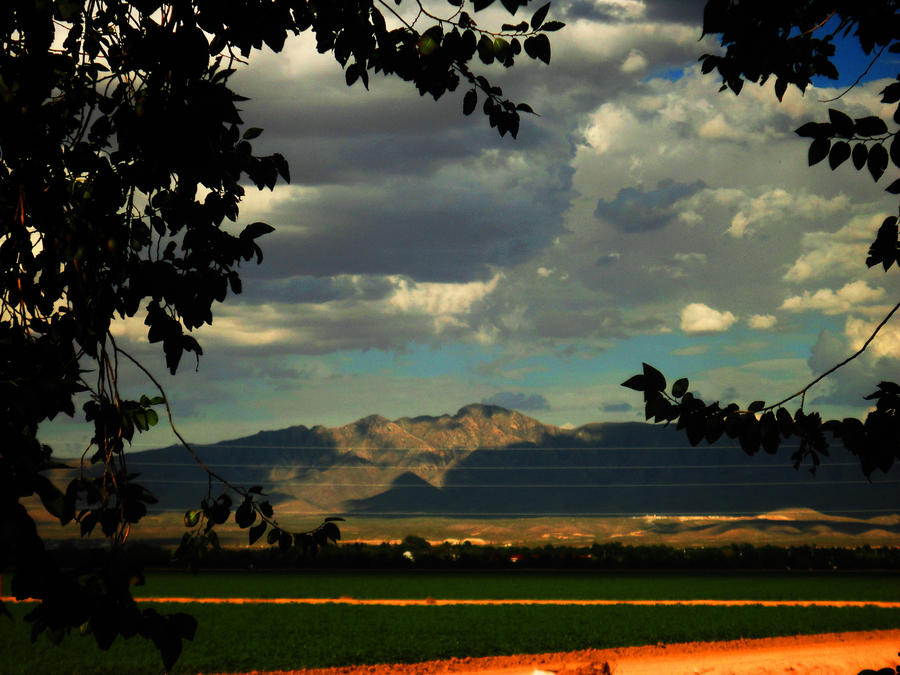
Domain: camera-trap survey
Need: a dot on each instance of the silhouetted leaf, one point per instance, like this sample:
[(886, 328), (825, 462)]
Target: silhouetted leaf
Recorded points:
[(256, 532), (839, 153), (653, 379), (470, 100), (860, 154), (256, 230), (870, 126), (636, 382), (330, 530), (680, 387), (538, 47), (841, 123), (815, 130), (818, 150), (891, 93), (895, 151), (245, 515), (537, 19), (877, 161)]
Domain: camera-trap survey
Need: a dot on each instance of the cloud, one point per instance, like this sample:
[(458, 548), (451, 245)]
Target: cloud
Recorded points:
[(635, 62), (690, 258), (634, 210), (616, 407), (835, 254), (699, 318), (437, 299), (848, 385), (517, 401), (851, 296), (774, 204), (691, 350), (608, 258), (885, 344), (762, 321)]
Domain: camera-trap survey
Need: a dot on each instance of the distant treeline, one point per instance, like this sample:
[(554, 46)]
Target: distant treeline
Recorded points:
[(416, 553)]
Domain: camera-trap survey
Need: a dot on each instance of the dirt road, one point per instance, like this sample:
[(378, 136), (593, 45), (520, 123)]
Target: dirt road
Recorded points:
[(830, 654)]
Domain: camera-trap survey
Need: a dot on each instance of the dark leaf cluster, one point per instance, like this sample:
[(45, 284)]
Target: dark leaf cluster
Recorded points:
[(124, 157), (875, 442), (253, 515)]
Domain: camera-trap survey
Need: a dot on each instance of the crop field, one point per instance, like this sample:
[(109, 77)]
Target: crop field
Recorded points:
[(239, 638), (529, 584)]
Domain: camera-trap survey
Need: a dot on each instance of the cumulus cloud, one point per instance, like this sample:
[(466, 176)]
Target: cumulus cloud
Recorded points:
[(885, 344), (775, 203), (635, 62), (835, 254), (762, 321), (517, 401), (635, 210), (851, 296), (699, 318), (439, 299), (848, 385)]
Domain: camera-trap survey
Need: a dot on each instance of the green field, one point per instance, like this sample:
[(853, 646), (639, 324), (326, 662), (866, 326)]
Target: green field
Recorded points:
[(237, 638), (529, 584), (243, 638)]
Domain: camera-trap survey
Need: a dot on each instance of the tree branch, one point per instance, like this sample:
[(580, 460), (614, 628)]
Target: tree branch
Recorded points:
[(856, 81)]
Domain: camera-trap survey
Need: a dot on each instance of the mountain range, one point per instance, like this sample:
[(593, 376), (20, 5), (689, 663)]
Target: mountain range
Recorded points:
[(489, 462)]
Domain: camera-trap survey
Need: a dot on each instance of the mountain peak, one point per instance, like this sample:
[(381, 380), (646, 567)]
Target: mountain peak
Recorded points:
[(481, 410)]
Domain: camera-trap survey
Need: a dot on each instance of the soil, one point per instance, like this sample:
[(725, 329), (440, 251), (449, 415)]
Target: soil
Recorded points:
[(829, 654)]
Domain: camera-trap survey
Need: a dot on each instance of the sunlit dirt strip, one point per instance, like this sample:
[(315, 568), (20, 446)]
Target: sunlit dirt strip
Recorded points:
[(437, 602)]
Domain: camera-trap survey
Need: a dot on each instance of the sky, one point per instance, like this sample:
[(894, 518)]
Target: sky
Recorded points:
[(420, 262)]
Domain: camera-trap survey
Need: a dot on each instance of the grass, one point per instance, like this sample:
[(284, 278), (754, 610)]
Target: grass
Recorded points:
[(530, 585), (247, 637)]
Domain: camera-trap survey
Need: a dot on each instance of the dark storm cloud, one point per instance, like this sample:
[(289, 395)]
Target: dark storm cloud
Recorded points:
[(608, 259), (616, 407), (428, 231), (634, 210), (318, 289), (592, 11), (517, 401), (676, 11)]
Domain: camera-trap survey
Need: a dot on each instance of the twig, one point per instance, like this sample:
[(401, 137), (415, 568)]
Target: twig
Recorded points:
[(856, 81), (843, 363), (821, 23)]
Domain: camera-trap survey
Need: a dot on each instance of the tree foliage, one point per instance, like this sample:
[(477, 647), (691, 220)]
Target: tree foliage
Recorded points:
[(124, 160), (788, 41)]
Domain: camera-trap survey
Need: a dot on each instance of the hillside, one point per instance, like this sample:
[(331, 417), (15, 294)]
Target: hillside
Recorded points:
[(486, 461)]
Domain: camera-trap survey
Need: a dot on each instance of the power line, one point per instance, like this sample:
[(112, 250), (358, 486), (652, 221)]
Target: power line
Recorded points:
[(502, 448), (536, 486), (755, 515), (579, 467)]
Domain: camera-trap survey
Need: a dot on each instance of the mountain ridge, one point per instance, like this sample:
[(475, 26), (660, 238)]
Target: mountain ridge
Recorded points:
[(488, 461)]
